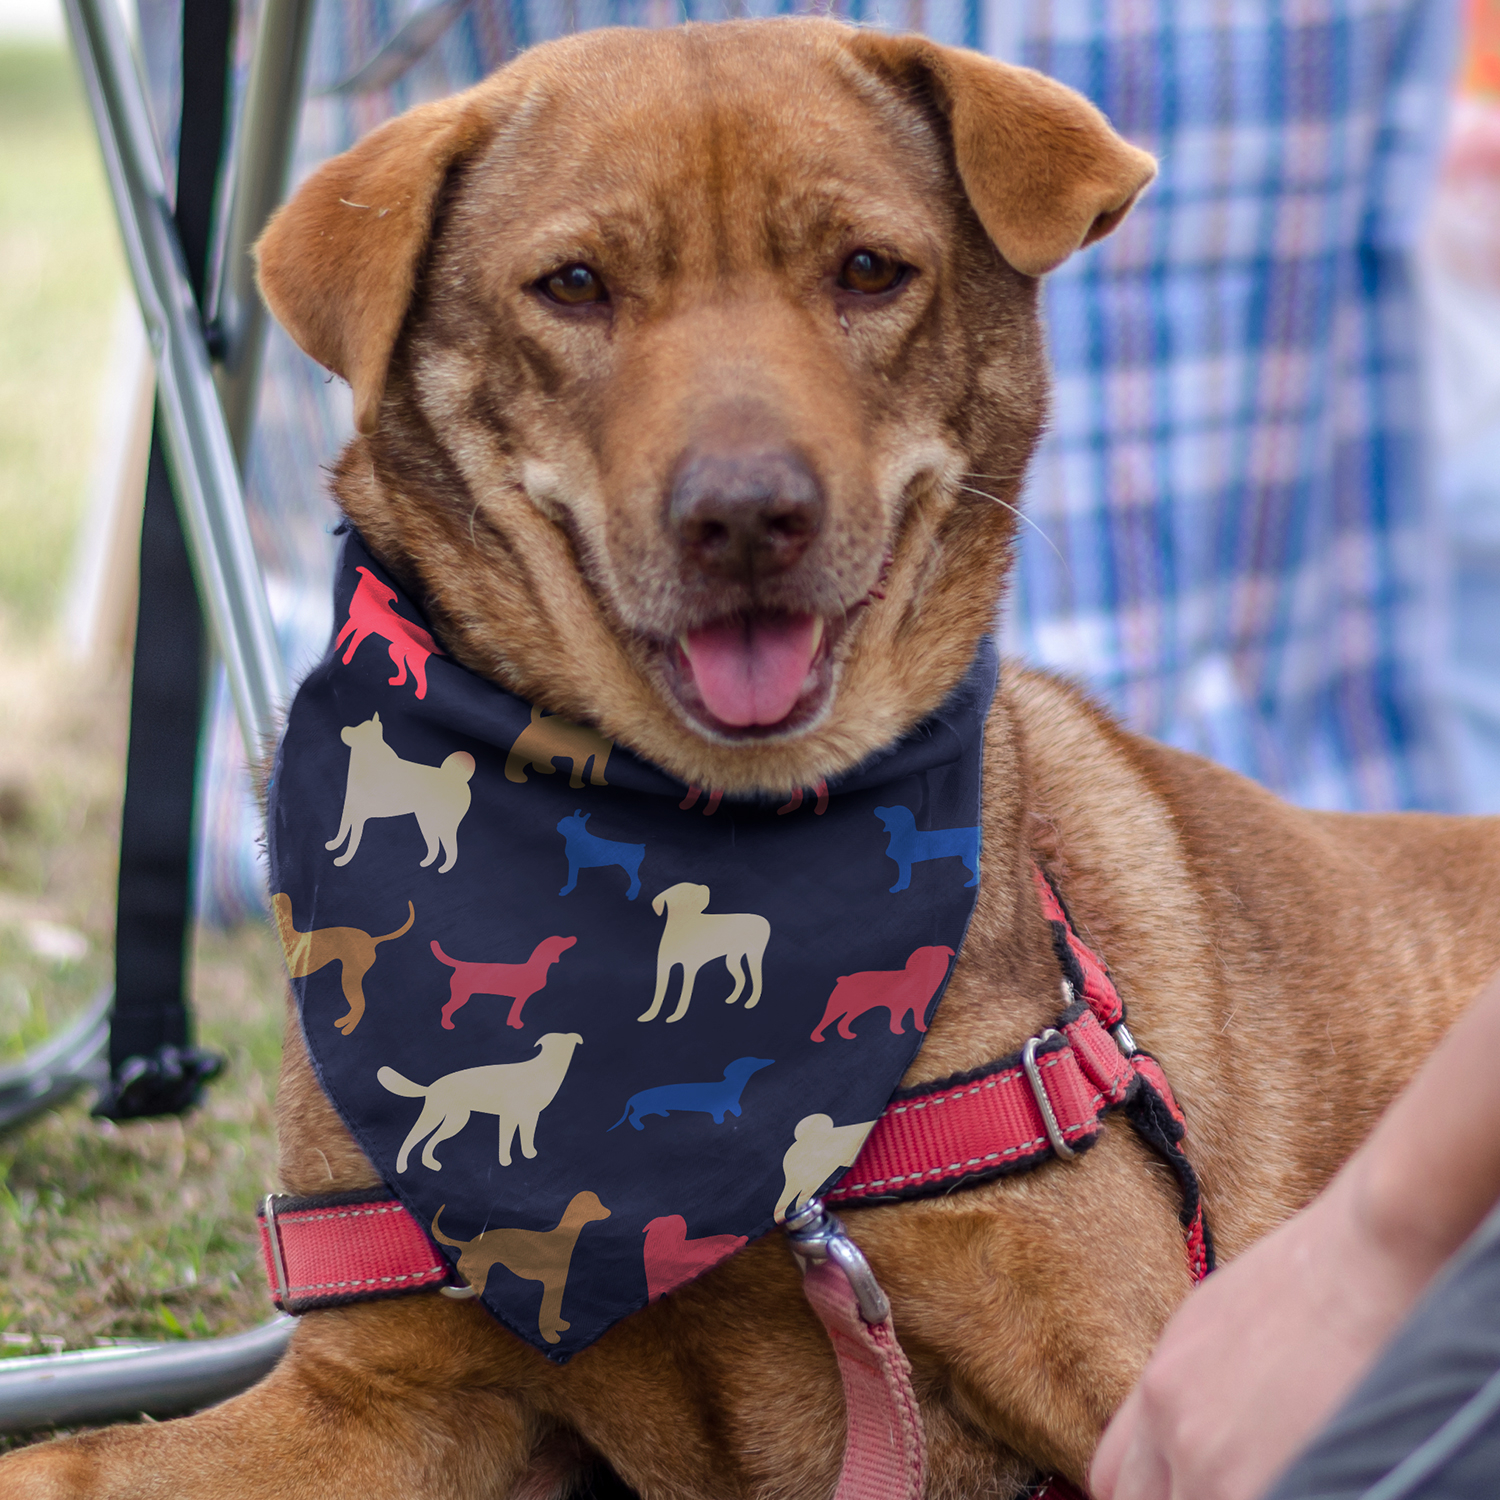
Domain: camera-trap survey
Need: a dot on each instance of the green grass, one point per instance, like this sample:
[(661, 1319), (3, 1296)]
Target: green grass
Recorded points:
[(61, 278), (107, 1232)]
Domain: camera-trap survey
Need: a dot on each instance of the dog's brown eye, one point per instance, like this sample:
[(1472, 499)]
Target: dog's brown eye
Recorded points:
[(574, 286), (868, 272)]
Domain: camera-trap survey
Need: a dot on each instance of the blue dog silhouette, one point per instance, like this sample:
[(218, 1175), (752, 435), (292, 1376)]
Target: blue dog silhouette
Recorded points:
[(587, 851), (909, 845), (716, 1099)]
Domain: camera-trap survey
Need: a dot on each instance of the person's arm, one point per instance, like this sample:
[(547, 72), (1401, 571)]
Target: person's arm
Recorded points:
[(1260, 1355)]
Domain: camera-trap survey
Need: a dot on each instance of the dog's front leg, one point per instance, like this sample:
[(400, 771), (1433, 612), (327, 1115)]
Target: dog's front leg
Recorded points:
[(383, 1401)]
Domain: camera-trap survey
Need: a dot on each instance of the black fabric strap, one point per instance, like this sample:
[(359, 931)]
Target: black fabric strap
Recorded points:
[(154, 1068)]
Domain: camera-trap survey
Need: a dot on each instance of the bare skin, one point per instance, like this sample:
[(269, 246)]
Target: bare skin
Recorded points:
[(1262, 1354)]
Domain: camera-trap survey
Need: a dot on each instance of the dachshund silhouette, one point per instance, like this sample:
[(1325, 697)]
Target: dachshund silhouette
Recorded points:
[(549, 738), (717, 1099), (904, 992), (515, 1092), (672, 1258), (532, 1254), (352, 947), (587, 851), (695, 936), (382, 785), (516, 982), (370, 613), (909, 845)]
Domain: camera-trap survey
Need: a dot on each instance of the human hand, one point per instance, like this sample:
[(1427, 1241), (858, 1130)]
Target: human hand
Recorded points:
[(1258, 1357)]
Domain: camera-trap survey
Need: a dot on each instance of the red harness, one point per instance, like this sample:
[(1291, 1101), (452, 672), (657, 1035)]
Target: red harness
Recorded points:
[(1046, 1100)]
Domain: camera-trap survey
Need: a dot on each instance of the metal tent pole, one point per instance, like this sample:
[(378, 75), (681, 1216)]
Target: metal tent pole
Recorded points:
[(261, 154), (199, 449), (103, 1384)]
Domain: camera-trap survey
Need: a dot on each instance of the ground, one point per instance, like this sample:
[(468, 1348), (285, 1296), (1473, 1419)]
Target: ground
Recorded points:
[(106, 1232)]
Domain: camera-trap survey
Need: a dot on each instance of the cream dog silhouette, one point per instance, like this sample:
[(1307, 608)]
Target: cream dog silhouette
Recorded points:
[(515, 1092), (382, 785), (694, 937), (353, 947), (532, 1254), (820, 1149), (552, 738)]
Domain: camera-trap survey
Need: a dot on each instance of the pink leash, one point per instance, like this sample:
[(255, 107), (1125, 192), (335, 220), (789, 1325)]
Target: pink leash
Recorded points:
[(884, 1447)]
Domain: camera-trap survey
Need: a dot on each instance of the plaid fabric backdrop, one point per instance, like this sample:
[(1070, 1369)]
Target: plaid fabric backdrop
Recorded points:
[(1231, 540)]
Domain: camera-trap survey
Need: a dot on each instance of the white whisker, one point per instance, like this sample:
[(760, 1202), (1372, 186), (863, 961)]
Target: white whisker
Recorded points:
[(1020, 516)]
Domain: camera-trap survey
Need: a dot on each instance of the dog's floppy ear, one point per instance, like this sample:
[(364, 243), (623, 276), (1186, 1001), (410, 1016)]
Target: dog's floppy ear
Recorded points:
[(1045, 172), (338, 264)]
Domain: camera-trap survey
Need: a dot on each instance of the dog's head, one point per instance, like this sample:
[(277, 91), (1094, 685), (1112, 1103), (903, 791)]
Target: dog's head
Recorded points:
[(684, 898), (696, 370), (368, 733)]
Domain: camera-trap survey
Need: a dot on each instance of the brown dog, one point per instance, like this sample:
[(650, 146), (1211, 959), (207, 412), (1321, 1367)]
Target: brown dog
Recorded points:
[(351, 948), (683, 363), (532, 1255)]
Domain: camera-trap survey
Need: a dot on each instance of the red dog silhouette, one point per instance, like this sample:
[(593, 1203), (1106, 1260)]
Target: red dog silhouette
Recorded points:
[(902, 991), (672, 1258), (517, 982), (370, 613)]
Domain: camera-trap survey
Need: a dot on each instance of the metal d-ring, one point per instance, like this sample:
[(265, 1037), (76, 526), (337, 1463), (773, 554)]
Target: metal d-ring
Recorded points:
[(273, 1237), (1039, 1093)]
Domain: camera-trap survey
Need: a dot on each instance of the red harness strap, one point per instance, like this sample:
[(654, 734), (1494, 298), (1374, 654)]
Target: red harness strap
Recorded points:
[(1049, 1099), (1046, 1100), (344, 1247)]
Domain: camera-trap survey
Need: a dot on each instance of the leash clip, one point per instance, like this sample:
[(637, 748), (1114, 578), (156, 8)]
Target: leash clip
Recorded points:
[(816, 1235)]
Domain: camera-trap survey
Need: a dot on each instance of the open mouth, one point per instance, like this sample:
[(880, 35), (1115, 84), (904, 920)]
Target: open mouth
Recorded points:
[(752, 676)]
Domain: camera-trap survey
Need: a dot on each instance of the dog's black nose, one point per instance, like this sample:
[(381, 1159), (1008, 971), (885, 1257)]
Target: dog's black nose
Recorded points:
[(745, 514)]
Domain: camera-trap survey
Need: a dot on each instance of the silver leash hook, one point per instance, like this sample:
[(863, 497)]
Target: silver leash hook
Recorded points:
[(816, 1235)]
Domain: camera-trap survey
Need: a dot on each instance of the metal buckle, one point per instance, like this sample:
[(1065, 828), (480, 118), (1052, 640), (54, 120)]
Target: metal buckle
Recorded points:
[(1039, 1093), (1123, 1039), (273, 1235), (816, 1235)]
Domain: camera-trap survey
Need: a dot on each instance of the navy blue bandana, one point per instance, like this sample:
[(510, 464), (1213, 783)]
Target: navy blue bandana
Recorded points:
[(597, 1029)]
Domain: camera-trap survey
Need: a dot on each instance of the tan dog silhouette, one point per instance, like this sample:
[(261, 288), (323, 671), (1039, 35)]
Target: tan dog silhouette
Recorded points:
[(382, 785), (532, 1254), (515, 1092), (307, 952), (550, 738), (820, 1149), (694, 937)]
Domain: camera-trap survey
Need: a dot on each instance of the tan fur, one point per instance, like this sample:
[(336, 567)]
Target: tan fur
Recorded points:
[(1290, 969)]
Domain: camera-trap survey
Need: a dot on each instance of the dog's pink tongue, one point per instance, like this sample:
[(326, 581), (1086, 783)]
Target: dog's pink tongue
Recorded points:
[(752, 671)]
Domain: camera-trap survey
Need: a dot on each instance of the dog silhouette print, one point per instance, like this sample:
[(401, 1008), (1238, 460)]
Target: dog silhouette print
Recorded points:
[(352, 947), (903, 992), (909, 845), (370, 613), (819, 1149), (382, 785), (515, 1092), (543, 1255), (716, 1099), (695, 936), (515, 982), (549, 738), (672, 1259), (587, 851)]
